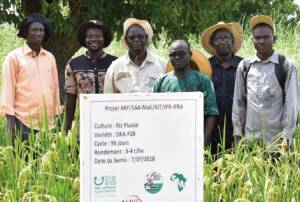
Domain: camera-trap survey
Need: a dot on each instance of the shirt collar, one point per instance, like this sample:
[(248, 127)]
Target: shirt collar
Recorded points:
[(234, 62), (149, 58), (273, 58), (89, 57), (28, 51)]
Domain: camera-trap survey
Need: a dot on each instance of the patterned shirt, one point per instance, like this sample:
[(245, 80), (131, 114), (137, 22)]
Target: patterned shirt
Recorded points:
[(30, 86), (195, 81), (123, 76), (84, 75), (261, 112)]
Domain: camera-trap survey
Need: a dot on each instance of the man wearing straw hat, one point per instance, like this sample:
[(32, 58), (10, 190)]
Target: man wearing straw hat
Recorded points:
[(30, 82), (266, 89), (186, 79), (85, 73), (137, 70), (223, 41)]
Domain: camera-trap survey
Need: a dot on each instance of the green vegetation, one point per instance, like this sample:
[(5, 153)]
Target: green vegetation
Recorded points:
[(8, 40), (44, 169), (51, 172), (172, 18)]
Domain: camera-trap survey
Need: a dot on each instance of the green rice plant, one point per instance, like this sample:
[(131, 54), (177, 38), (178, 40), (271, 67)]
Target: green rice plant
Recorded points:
[(46, 168)]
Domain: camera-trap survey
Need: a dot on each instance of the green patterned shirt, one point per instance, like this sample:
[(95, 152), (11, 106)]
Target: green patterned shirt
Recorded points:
[(195, 81)]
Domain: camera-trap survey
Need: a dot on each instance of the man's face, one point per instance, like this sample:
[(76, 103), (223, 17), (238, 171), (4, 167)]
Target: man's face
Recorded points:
[(263, 39), (136, 39), (179, 55), (94, 39), (35, 33), (222, 42)]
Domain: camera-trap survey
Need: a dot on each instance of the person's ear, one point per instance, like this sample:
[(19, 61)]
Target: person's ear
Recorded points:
[(274, 38), (232, 39)]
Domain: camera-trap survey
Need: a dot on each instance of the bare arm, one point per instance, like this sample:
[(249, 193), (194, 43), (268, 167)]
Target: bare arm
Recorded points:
[(208, 128), (70, 109), (71, 96)]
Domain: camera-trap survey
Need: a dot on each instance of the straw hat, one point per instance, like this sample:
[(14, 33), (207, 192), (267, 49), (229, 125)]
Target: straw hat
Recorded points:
[(94, 24), (35, 17), (234, 28), (261, 19), (198, 62), (133, 21)]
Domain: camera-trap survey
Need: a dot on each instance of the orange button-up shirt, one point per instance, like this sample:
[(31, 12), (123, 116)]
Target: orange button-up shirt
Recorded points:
[(30, 87)]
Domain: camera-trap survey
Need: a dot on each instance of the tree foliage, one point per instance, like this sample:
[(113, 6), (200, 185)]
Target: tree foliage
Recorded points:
[(175, 18)]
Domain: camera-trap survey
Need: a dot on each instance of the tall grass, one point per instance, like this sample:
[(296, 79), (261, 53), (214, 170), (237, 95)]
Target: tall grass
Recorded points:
[(47, 168)]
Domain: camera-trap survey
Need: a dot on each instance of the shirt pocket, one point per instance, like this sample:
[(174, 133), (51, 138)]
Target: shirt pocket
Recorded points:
[(275, 88), (101, 77), (272, 92), (149, 82), (28, 75), (85, 82), (124, 82), (216, 80)]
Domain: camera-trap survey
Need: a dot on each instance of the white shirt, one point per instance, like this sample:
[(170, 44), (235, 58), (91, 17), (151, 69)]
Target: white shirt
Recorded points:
[(123, 76), (262, 113)]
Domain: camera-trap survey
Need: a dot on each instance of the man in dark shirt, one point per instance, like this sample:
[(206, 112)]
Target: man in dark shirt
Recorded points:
[(223, 41), (86, 73)]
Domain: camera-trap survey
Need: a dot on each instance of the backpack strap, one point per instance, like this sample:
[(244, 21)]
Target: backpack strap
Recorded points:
[(246, 69), (280, 73)]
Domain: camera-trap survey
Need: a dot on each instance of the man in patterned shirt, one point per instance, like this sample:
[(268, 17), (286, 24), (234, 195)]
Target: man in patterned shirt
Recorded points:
[(85, 73)]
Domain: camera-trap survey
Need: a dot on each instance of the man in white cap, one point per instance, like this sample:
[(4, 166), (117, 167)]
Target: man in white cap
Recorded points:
[(137, 70), (223, 41), (266, 90)]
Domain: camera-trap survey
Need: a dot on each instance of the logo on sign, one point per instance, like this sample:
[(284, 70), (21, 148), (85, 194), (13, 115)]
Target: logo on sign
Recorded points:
[(104, 184), (179, 179), (153, 182), (132, 198)]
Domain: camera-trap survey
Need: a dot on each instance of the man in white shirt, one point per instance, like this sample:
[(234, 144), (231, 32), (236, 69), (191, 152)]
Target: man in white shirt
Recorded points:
[(266, 89), (137, 70)]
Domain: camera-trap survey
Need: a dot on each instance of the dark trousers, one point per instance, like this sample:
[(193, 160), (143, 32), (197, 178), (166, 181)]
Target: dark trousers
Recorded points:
[(18, 129)]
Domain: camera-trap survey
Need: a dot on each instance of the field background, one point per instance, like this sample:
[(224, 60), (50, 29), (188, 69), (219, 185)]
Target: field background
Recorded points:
[(51, 171)]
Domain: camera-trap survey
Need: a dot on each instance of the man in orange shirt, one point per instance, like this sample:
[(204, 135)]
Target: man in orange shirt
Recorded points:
[(30, 92)]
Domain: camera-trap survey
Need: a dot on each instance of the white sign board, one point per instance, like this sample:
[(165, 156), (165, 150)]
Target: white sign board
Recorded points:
[(141, 147)]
